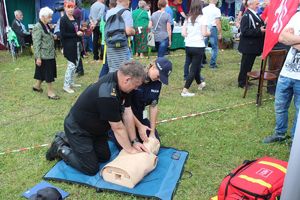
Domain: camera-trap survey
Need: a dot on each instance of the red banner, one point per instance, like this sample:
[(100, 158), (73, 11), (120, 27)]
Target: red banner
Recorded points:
[(279, 14)]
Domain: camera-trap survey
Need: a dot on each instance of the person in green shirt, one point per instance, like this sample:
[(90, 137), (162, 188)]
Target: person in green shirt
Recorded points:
[(140, 23)]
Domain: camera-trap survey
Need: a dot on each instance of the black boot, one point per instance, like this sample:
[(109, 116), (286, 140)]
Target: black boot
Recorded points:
[(59, 140), (67, 154)]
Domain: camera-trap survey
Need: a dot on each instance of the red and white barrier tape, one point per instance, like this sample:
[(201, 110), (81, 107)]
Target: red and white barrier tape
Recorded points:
[(136, 58), (159, 122), (23, 149)]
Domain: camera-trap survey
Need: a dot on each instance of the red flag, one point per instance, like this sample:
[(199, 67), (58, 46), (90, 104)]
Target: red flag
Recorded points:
[(279, 14)]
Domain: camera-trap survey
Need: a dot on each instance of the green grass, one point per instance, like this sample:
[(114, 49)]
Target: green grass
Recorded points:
[(217, 142)]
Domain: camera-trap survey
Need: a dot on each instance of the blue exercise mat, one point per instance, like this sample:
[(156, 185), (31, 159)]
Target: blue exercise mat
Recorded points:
[(160, 183)]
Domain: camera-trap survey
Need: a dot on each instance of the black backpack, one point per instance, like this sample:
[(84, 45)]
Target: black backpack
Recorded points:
[(115, 35)]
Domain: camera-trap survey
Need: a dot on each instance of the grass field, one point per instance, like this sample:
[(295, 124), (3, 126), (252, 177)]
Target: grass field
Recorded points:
[(217, 141)]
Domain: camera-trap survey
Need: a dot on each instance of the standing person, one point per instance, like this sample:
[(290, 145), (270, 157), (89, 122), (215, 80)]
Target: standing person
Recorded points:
[(44, 53), (194, 30), (178, 12), (96, 13), (116, 56), (104, 105), (22, 34), (71, 41), (288, 85), (140, 23), (104, 69), (78, 17), (161, 26), (170, 12), (251, 40), (243, 8), (213, 15)]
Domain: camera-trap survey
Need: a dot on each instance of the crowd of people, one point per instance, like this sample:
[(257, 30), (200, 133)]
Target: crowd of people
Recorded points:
[(114, 105)]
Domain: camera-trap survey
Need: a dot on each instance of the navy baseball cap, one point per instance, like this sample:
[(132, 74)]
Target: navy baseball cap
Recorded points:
[(164, 67), (48, 193)]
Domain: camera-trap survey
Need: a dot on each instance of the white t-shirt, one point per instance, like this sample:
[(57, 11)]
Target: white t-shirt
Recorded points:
[(291, 67), (194, 36), (212, 13)]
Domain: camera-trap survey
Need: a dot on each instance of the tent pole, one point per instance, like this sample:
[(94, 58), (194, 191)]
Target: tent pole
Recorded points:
[(5, 10)]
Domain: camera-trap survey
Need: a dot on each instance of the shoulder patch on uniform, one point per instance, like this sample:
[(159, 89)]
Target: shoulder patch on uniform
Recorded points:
[(107, 90)]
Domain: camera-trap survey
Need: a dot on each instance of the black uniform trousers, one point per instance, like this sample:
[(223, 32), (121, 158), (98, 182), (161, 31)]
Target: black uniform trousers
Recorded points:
[(85, 150), (246, 66)]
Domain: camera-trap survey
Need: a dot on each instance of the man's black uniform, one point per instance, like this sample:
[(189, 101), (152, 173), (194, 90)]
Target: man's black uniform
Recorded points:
[(87, 124)]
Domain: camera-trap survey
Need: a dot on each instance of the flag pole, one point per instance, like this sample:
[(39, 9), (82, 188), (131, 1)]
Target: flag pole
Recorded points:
[(260, 82)]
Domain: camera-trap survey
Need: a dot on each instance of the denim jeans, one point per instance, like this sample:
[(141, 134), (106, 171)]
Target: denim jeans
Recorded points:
[(162, 47), (285, 90), (213, 40)]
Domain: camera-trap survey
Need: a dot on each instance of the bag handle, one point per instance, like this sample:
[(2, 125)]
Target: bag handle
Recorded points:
[(120, 12), (140, 14), (158, 21), (246, 163)]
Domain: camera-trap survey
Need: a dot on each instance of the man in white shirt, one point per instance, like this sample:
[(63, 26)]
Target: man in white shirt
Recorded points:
[(213, 15), (288, 85)]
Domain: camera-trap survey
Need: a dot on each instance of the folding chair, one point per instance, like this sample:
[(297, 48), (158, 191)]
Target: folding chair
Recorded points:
[(275, 61)]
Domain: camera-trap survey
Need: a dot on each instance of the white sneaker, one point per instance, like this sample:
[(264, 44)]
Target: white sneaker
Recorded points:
[(68, 90), (75, 85), (201, 85), (187, 94)]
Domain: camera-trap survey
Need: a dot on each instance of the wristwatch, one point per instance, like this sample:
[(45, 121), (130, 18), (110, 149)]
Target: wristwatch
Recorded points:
[(135, 140)]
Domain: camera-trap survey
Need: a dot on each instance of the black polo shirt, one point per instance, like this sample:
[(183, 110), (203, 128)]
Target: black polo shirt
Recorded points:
[(145, 95), (100, 103)]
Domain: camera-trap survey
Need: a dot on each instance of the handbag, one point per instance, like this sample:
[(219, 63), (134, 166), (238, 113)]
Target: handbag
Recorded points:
[(150, 37)]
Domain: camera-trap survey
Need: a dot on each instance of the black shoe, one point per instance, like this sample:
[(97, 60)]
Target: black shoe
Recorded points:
[(58, 141), (79, 74), (37, 90), (274, 138)]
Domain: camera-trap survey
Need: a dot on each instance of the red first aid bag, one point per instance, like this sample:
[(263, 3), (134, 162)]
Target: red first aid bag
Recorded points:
[(260, 179)]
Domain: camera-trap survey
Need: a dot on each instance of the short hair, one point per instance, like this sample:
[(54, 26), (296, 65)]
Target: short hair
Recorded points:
[(142, 4), (134, 69), (45, 12), (249, 2), (17, 12), (161, 3), (113, 3)]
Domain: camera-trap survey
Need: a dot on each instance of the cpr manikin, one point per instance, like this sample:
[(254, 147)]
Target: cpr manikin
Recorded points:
[(129, 169)]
